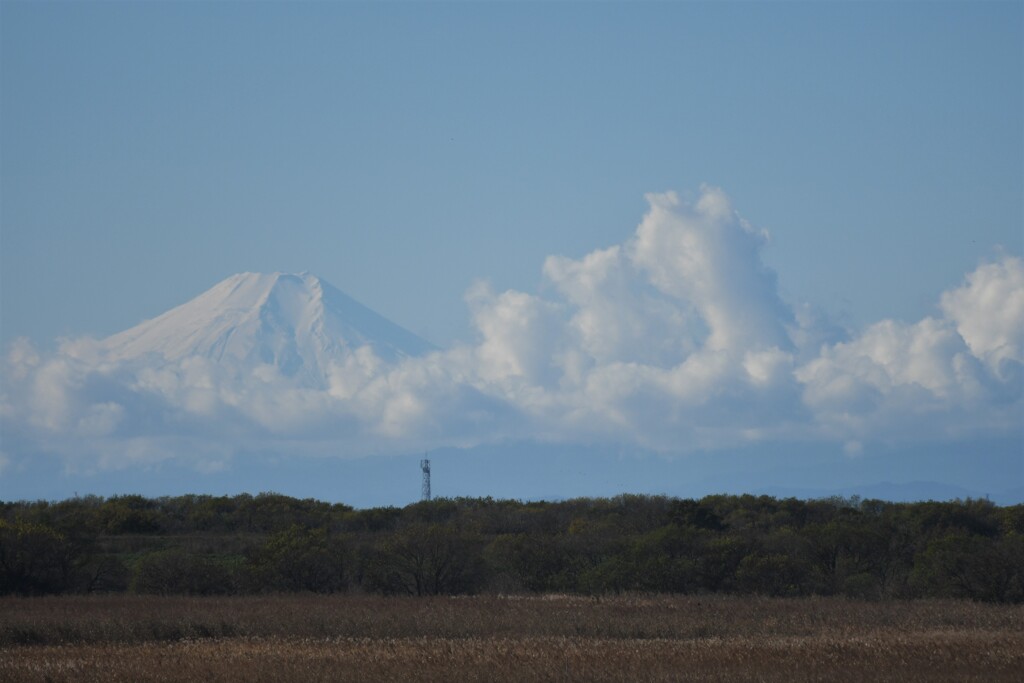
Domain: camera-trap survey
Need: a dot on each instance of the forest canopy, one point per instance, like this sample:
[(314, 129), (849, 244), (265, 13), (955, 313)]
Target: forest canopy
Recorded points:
[(268, 543)]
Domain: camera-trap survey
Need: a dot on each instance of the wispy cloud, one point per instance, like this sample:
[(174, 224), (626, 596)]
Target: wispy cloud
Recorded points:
[(677, 340)]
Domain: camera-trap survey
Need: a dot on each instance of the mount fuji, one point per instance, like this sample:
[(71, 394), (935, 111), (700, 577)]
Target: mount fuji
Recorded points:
[(297, 323)]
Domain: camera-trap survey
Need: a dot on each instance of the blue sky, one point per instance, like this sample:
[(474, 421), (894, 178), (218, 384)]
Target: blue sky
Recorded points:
[(404, 152)]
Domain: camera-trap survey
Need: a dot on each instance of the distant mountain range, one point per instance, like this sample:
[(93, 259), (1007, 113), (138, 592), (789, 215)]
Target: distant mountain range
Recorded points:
[(297, 323)]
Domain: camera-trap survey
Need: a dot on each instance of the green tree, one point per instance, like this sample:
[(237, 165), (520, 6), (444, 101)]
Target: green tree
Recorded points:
[(427, 559), (300, 559), (130, 515), (529, 561), (34, 559), (960, 565), (177, 571), (770, 574)]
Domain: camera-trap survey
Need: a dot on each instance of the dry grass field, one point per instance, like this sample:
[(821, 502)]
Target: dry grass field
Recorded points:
[(489, 638)]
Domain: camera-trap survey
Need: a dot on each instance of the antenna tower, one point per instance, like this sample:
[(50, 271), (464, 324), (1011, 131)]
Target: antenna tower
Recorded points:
[(425, 466)]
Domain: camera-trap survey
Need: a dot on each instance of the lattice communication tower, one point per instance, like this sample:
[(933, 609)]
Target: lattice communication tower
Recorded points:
[(425, 466)]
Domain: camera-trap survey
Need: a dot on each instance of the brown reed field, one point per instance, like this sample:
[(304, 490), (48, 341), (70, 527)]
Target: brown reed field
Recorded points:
[(495, 638)]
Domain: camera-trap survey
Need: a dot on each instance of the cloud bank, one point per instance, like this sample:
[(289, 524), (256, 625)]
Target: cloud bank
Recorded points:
[(676, 340)]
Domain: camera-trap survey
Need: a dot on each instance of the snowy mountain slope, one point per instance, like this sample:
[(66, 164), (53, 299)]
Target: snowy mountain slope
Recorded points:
[(295, 322)]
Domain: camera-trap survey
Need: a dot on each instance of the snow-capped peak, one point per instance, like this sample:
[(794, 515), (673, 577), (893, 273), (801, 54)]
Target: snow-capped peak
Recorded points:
[(295, 322)]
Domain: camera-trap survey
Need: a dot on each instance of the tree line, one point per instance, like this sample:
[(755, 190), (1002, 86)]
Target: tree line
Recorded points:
[(197, 544)]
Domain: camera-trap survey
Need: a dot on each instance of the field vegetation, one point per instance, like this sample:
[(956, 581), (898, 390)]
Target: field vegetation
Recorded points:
[(305, 637)]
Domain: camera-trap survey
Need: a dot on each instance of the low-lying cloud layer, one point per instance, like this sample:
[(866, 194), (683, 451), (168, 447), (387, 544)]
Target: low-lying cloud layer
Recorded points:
[(675, 340)]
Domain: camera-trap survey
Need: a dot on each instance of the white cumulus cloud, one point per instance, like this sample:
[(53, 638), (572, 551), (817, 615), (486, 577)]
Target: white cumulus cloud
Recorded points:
[(676, 339), (988, 311)]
